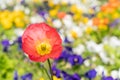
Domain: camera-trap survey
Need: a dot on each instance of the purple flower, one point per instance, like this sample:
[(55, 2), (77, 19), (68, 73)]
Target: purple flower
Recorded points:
[(65, 54), (107, 78), (115, 22), (27, 76), (67, 76), (19, 41), (66, 41), (91, 74), (42, 13), (15, 75), (5, 43), (75, 59), (22, 2), (75, 77), (56, 71)]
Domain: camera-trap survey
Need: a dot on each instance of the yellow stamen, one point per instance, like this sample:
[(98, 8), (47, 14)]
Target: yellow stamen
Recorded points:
[(74, 34), (43, 48)]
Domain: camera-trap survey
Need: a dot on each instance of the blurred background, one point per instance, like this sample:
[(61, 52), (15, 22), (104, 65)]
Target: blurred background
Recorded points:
[(90, 30)]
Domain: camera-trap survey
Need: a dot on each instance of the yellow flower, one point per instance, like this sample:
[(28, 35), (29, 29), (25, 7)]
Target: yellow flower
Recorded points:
[(55, 78), (18, 13), (50, 3), (7, 18), (84, 1), (102, 27), (73, 8), (6, 24), (19, 22), (79, 11), (115, 15), (53, 12), (100, 15), (41, 78), (91, 11), (77, 17), (89, 30), (63, 3), (85, 20), (36, 1), (5, 14), (57, 7)]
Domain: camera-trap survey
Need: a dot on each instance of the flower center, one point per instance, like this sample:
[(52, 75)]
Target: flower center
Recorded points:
[(74, 34), (43, 48), (75, 59)]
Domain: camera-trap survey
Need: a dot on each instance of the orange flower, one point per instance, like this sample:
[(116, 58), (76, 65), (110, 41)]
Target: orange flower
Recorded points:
[(40, 42), (106, 21), (96, 21), (61, 15)]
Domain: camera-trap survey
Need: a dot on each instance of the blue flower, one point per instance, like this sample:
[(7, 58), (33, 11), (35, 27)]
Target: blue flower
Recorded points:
[(115, 22), (67, 76), (56, 71), (91, 74), (27, 76), (65, 54), (19, 41), (75, 59), (66, 41), (5, 43), (15, 75), (107, 78), (75, 77)]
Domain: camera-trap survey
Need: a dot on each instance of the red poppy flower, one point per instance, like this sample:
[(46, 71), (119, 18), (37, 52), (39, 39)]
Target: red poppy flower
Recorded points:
[(40, 42)]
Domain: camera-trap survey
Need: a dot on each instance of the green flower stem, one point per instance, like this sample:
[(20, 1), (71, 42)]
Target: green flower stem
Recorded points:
[(50, 69), (46, 72)]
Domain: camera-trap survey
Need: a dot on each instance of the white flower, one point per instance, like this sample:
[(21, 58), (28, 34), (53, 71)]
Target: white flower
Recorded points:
[(56, 1), (79, 49), (91, 45), (57, 23), (114, 41), (114, 74), (74, 32), (18, 32), (19, 7), (99, 48), (72, 1), (68, 22), (100, 69), (61, 32), (2, 4), (104, 57), (65, 1), (87, 63), (27, 11), (36, 19), (94, 58), (119, 73)]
